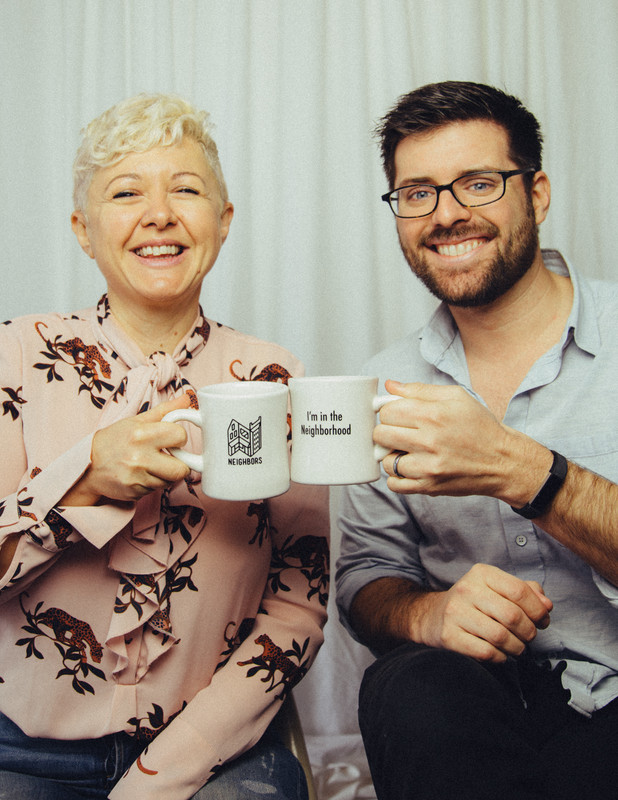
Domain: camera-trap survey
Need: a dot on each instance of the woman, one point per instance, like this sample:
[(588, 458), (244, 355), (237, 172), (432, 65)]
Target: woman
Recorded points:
[(131, 604)]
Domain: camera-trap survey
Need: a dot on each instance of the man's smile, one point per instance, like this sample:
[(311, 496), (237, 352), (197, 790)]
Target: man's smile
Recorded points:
[(458, 248)]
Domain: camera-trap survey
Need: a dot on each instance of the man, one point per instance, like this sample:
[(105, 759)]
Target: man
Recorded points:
[(484, 569)]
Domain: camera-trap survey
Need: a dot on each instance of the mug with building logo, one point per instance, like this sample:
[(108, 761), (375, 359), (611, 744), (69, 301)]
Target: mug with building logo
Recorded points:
[(244, 439), (332, 429)]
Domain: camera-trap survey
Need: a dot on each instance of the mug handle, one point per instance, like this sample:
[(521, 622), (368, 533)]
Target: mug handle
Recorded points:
[(192, 460), (379, 452)]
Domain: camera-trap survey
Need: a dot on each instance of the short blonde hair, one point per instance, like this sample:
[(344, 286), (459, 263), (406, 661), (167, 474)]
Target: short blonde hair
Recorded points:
[(135, 125)]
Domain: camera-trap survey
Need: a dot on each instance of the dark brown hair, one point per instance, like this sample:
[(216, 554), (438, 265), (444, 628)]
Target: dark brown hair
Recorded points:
[(438, 104)]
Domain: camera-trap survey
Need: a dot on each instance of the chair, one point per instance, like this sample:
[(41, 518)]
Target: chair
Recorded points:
[(288, 726)]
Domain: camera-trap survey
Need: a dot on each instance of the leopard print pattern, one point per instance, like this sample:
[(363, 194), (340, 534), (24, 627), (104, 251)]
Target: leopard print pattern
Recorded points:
[(272, 372), (87, 355), (273, 660), (71, 631)]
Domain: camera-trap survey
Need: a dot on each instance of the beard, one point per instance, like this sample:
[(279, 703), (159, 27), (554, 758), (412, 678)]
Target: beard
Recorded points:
[(466, 289)]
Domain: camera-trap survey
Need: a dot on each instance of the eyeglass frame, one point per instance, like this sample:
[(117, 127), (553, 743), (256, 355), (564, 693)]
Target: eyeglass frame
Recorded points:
[(505, 174)]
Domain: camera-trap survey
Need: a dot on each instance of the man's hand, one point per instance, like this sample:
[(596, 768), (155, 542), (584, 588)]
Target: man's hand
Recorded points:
[(127, 459), (453, 445), (487, 614)]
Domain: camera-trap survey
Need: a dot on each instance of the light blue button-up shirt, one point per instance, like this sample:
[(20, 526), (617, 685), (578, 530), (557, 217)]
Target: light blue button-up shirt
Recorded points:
[(569, 402)]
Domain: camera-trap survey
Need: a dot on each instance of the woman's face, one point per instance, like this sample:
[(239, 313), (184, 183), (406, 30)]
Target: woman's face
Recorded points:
[(155, 223)]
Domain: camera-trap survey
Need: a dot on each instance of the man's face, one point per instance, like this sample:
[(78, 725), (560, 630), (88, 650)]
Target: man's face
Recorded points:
[(467, 256)]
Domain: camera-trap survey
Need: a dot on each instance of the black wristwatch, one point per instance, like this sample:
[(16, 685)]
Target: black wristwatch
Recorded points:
[(543, 500)]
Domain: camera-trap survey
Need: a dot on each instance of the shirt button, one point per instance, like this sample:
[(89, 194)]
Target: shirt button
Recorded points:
[(521, 540)]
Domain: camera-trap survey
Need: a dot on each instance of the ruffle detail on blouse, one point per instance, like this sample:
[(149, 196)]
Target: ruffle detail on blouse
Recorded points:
[(148, 553)]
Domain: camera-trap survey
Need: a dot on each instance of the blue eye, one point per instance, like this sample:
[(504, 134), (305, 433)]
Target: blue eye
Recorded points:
[(416, 194), (480, 186), (421, 193)]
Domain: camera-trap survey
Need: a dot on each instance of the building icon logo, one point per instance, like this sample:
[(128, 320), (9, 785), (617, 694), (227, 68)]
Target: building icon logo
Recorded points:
[(247, 440)]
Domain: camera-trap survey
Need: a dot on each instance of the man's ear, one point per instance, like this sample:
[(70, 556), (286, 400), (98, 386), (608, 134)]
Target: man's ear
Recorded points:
[(541, 196), (80, 229)]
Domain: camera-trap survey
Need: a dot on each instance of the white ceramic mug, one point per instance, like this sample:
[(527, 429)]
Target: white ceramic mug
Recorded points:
[(244, 439), (332, 429)]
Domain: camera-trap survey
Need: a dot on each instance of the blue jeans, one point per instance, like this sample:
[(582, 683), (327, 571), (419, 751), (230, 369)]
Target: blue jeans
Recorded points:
[(48, 769)]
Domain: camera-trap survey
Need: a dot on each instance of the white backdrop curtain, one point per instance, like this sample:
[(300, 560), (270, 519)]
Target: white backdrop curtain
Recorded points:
[(312, 261)]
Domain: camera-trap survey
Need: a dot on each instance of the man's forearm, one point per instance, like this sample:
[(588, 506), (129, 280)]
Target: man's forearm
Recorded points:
[(381, 612), (584, 517)]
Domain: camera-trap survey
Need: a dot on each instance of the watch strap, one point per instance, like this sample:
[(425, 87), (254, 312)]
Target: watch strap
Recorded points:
[(547, 492)]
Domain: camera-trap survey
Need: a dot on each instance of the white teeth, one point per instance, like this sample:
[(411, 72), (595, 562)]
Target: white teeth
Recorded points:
[(458, 249), (160, 250)]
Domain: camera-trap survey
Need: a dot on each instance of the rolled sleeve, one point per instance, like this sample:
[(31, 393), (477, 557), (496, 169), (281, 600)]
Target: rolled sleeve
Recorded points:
[(380, 538)]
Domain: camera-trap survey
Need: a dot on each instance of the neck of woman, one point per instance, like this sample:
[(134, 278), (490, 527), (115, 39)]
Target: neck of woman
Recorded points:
[(155, 329)]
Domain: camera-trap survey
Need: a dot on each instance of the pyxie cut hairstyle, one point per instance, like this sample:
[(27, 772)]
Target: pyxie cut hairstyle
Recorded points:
[(138, 124)]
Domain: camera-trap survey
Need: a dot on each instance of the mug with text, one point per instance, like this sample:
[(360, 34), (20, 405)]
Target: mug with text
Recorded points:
[(332, 429), (244, 439)]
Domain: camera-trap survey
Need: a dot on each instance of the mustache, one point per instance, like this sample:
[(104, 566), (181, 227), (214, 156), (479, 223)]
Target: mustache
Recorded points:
[(464, 231)]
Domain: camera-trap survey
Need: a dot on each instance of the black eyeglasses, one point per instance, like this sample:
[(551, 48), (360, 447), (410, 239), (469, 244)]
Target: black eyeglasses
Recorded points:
[(472, 190)]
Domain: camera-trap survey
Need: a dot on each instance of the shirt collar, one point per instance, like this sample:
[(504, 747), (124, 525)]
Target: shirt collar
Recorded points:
[(440, 334), (583, 318)]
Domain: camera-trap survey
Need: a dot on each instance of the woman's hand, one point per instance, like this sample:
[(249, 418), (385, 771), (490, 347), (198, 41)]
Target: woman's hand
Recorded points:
[(127, 458)]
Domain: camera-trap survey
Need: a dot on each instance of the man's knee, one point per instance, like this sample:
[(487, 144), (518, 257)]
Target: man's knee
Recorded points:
[(416, 688), (440, 720)]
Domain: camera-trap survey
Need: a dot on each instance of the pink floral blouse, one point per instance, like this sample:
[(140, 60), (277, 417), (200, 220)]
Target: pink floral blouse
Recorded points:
[(180, 619)]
